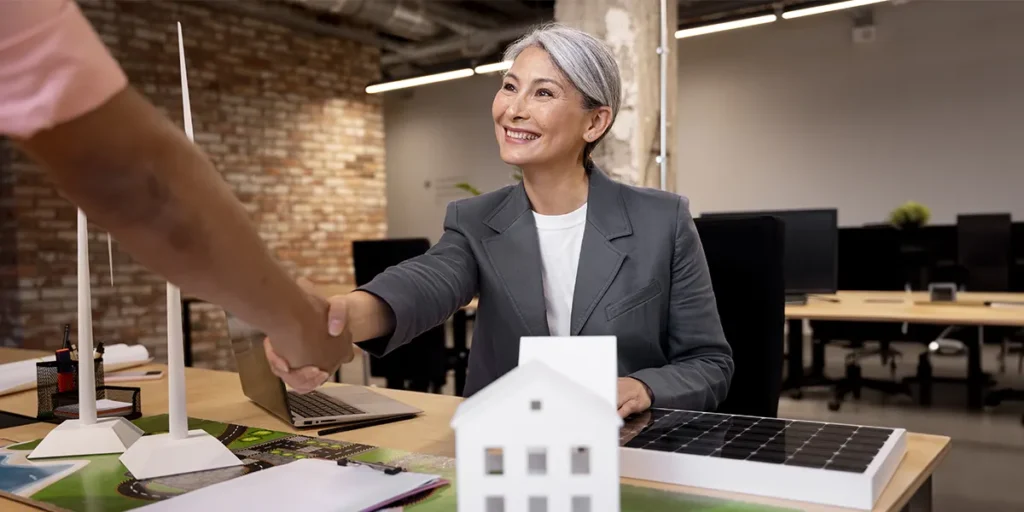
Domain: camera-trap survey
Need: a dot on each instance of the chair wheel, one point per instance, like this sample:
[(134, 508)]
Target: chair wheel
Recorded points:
[(833, 405)]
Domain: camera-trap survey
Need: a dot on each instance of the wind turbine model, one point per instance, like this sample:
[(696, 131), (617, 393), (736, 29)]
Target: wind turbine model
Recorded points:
[(180, 450), (86, 435)]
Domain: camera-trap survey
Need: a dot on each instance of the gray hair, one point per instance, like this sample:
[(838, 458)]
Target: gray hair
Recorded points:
[(587, 62)]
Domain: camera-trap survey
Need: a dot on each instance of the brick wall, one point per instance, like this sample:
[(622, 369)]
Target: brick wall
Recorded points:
[(283, 116)]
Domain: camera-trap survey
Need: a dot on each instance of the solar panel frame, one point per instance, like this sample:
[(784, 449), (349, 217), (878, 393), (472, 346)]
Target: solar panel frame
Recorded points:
[(741, 453)]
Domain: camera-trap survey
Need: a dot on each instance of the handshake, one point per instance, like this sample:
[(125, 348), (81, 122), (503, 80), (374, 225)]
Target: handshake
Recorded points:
[(330, 344)]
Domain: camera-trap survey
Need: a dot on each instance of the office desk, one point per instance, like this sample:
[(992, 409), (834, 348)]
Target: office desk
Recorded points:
[(866, 306), (218, 396)]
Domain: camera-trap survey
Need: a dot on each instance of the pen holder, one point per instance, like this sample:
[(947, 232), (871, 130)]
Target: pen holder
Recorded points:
[(46, 384), (65, 404)]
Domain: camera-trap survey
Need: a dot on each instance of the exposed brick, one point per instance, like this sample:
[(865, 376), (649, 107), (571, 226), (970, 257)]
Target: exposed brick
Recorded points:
[(282, 115)]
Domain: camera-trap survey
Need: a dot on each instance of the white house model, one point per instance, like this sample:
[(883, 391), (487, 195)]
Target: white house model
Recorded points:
[(537, 441)]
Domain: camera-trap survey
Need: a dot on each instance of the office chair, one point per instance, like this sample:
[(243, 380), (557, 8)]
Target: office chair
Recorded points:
[(745, 258), (870, 259), (983, 262), (420, 365)]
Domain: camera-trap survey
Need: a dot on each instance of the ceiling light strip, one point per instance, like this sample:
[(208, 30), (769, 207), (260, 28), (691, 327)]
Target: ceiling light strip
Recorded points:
[(729, 25), (799, 13), (420, 80), (492, 68)]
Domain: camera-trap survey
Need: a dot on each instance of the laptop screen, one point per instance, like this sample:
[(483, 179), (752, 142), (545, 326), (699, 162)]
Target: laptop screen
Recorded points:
[(258, 382)]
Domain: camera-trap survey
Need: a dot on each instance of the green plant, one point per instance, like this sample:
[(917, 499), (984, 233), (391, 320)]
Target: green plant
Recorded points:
[(468, 188), (910, 214), (517, 175)]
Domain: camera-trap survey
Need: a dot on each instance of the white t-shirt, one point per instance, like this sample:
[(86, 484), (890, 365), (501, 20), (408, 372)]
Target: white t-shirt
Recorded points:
[(561, 237)]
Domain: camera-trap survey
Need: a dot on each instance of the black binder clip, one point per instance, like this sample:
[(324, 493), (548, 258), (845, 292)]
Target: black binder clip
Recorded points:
[(388, 470)]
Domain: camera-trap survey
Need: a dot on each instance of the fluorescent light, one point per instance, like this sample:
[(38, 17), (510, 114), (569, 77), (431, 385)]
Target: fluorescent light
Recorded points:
[(420, 80), (849, 4), (729, 25), (491, 68)]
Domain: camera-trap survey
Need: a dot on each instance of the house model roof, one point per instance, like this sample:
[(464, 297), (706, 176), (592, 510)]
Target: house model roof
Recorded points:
[(523, 379)]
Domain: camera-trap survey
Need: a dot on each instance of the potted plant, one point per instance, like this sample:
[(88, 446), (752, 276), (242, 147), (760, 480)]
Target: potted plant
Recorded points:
[(909, 216), (517, 175)]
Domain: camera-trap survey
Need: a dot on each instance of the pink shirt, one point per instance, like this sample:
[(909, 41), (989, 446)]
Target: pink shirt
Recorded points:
[(53, 66)]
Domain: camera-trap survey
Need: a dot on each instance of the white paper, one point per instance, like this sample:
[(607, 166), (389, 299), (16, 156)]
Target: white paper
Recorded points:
[(306, 484), (102, 405), (13, 375)]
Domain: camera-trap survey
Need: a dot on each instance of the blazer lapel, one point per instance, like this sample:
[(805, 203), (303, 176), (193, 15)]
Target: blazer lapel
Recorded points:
[(599, 261), (514, 253)]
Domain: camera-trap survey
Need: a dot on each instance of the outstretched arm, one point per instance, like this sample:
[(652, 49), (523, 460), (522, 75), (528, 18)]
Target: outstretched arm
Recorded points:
[(701, 365), (416, 295), (65, 102)]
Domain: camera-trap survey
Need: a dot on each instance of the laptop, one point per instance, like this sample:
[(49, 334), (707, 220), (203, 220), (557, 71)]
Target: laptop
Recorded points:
[(331, 405)]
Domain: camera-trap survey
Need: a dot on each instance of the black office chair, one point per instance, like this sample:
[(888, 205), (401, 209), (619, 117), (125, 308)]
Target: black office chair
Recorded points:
[(745, 257), (422, 364), (869, 259), (983, 263)]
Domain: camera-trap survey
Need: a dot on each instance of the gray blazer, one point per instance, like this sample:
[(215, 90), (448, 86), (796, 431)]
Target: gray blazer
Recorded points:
[(642, 277)]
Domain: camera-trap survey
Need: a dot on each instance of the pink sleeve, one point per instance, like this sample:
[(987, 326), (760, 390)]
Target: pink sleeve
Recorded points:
[(53, 66)]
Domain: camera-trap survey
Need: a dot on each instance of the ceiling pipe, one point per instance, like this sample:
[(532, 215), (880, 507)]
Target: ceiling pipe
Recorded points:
[(485, 40), (285, 17), (404, 18)]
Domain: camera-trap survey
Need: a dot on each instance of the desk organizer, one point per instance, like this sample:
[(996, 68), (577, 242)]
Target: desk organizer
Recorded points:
[(46, 384), (49, 399)]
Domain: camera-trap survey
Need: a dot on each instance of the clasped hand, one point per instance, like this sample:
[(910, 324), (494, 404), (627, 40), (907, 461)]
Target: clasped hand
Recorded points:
[(308, 378)]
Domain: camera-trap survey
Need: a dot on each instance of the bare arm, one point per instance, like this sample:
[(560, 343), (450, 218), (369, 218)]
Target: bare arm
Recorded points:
[(368, 316), (136, 174)]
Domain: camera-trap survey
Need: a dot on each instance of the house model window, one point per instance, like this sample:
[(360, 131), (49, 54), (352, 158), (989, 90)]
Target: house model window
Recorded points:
[(497, 504), (580, 461), (494, 463), (537, 461), (538, 504), (534, 405), (579, 504)]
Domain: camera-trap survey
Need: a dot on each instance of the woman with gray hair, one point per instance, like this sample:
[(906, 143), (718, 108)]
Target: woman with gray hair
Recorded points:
[(566, 252)]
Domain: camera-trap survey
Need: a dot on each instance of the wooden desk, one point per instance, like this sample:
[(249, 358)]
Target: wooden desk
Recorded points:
[(859, 306), (867, 306), (218, 396)]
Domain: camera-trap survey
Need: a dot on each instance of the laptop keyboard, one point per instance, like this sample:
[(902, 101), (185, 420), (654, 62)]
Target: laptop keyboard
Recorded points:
[(316, 405)]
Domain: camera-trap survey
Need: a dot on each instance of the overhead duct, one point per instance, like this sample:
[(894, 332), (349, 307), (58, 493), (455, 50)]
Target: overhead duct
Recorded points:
[(404, 18), (481, 42)]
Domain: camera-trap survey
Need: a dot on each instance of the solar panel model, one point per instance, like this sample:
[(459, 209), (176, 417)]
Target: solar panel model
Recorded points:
[(827, 463)]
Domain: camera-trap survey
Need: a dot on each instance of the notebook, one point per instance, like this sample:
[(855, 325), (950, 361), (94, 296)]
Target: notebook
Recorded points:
[(306, 484)]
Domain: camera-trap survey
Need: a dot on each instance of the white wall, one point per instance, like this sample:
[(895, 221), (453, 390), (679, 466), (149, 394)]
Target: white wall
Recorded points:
[(787, 115), (437, 135), (794, 114)]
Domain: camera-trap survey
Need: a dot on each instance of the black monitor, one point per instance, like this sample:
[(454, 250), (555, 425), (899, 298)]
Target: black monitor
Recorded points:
[(371, 257), (811, 249)]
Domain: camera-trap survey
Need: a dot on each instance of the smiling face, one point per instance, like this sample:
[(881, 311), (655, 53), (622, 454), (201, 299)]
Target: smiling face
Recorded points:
[(539, 116)]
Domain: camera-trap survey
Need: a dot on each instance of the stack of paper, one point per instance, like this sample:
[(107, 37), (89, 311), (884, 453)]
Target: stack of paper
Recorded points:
[(104, 408), (21, 375), (307, 484)]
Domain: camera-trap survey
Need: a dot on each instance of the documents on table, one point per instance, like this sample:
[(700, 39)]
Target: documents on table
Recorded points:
[(306, 484), (105, 408), (21, 375)]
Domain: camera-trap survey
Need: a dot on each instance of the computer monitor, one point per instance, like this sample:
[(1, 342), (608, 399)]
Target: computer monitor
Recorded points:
[(371, 257), (811, 249)]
